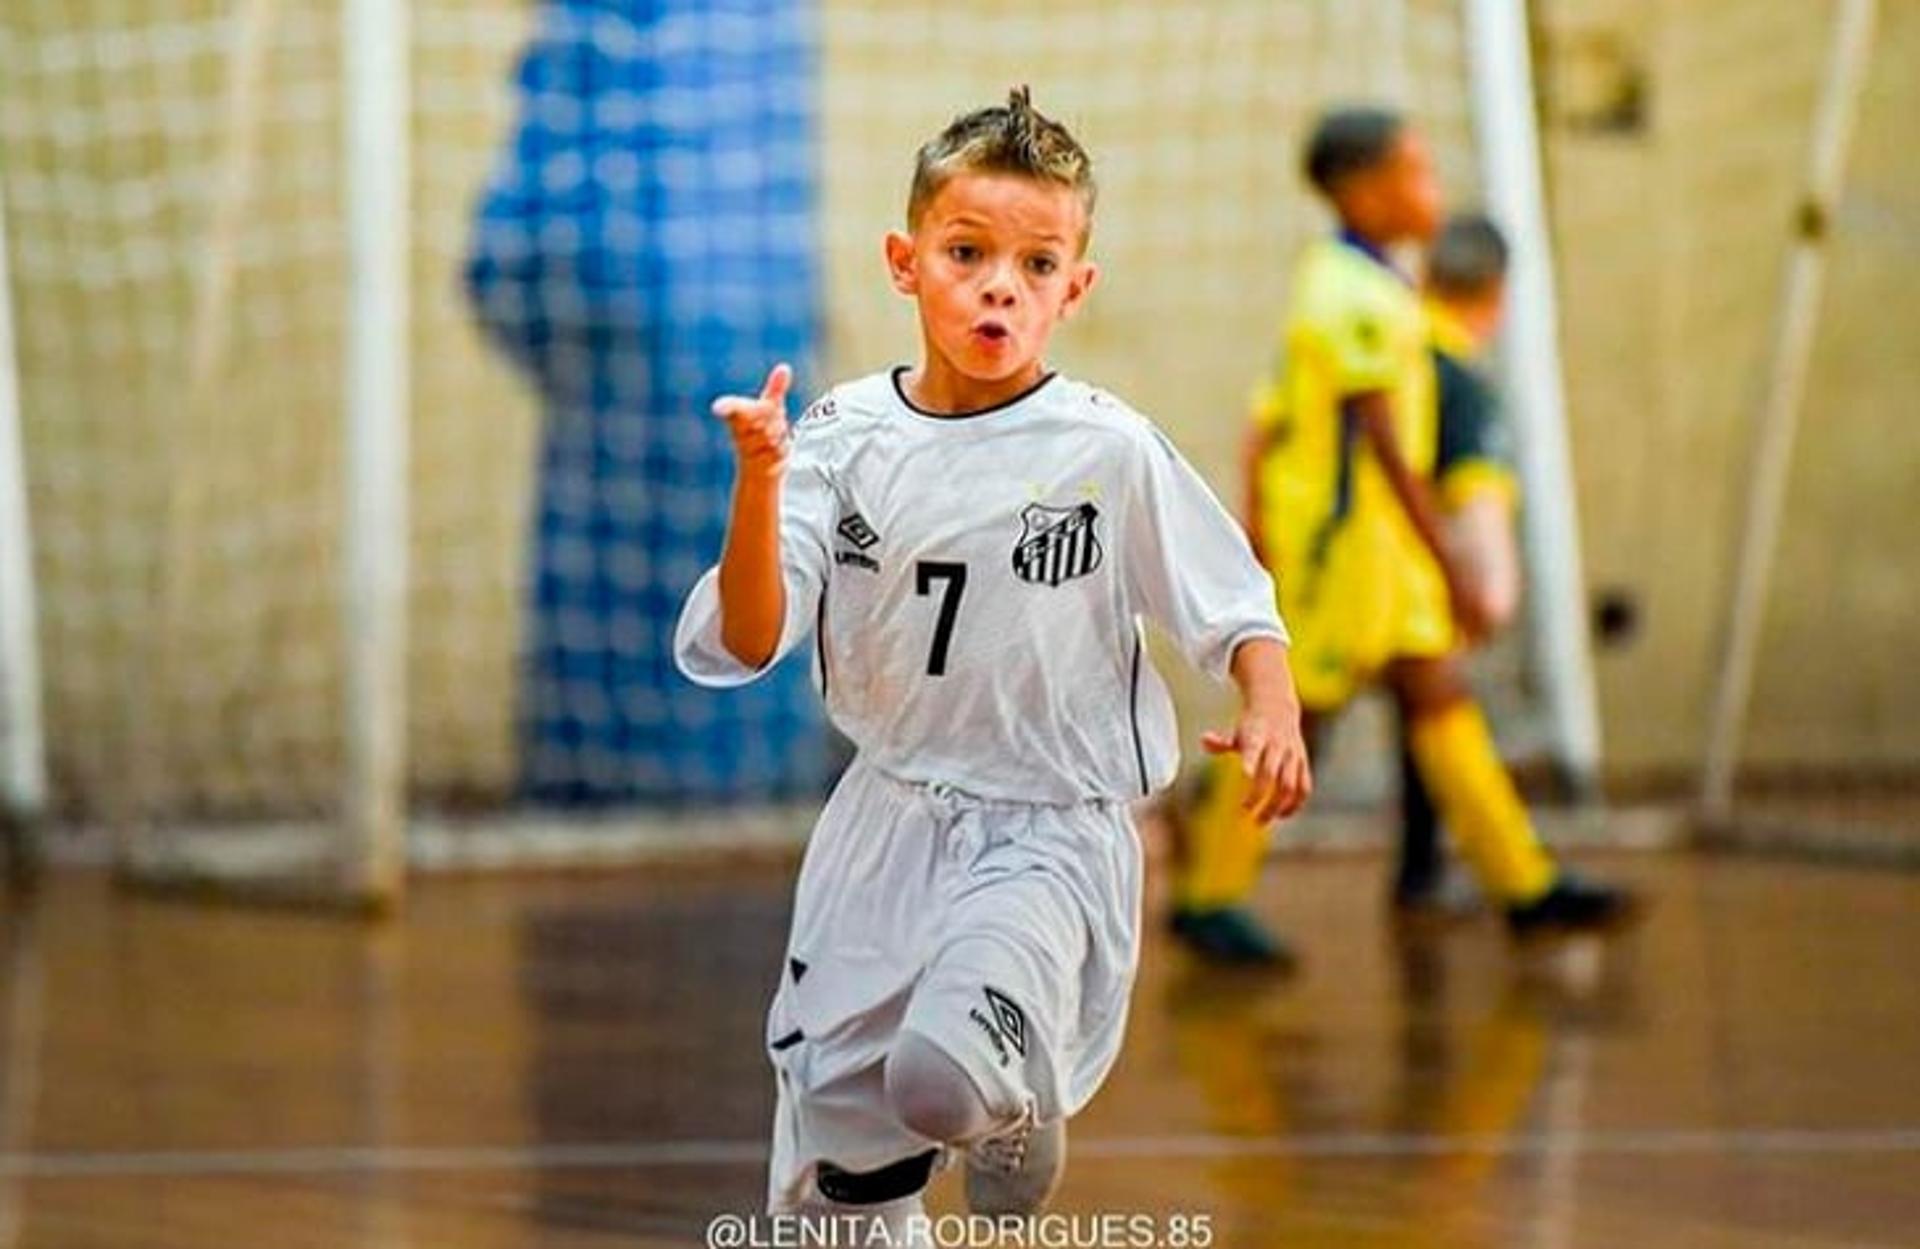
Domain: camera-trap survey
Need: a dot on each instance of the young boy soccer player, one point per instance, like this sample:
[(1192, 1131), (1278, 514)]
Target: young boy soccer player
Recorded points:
[(1340, 476), (972, 541), (1465, 296)]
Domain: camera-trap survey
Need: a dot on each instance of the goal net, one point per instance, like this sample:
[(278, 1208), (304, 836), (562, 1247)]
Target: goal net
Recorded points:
[(179, 213)]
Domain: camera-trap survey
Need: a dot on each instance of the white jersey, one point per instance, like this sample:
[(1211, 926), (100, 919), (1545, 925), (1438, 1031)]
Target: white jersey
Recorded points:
[(975, 584)]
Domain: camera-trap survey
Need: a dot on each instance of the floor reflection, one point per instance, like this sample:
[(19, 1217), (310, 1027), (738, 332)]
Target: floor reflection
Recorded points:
[(578, 1061), (648, 1019)]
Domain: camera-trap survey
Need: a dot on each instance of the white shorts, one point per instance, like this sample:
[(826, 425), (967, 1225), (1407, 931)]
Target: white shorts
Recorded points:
[(1005, 932)]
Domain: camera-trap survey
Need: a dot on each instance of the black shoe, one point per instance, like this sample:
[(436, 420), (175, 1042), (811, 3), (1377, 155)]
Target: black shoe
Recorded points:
[(1572, 906), (1230, 935)]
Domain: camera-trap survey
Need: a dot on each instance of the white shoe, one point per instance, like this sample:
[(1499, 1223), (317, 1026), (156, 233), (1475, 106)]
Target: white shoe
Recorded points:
[(1017, 1169)]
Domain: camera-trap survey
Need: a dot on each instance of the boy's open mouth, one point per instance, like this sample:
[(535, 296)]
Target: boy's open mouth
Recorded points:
[(992, 331)]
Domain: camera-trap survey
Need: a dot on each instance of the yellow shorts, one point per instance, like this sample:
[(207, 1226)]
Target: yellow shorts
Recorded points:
[(1371, 596)]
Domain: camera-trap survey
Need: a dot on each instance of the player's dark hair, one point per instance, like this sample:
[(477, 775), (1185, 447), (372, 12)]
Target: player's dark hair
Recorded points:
[(1469, 256), (1013, 138), (1349, 140)]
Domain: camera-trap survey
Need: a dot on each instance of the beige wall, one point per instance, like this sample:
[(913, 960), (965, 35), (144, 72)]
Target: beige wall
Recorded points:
[(1671, 242)]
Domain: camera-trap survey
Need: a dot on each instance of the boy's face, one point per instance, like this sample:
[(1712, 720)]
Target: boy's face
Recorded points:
[(994, 264), (1482, 311), (1398, 199)]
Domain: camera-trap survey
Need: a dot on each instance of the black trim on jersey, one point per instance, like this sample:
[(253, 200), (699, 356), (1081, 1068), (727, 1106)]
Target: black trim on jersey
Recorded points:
[(1342, 495), (788, 1041), (820, 650), (1133, 715), (902, 370)]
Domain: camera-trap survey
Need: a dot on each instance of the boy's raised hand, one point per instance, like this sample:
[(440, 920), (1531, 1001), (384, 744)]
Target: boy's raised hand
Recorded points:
[(1273, 755), (759, 425)]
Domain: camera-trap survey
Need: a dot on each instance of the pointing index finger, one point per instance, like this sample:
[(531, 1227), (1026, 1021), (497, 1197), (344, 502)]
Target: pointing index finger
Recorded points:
[(779, 381)]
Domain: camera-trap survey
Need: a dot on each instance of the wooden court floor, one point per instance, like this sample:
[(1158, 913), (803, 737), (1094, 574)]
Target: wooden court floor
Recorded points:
[(575, 1061)]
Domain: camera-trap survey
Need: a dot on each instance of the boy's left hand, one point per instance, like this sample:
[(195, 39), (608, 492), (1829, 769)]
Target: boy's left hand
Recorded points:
[(1273, 755)]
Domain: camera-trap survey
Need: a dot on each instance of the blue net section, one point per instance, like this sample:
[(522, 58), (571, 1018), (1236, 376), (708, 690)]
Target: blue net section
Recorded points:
[(646, 242)]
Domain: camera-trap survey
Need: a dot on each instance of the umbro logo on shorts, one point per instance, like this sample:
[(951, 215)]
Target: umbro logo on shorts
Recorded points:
[(1004, 1024), (1056, 544), (1008, 1019)]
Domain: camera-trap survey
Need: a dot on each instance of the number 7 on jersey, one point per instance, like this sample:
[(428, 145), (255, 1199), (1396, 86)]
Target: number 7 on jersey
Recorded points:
[(925, 573)]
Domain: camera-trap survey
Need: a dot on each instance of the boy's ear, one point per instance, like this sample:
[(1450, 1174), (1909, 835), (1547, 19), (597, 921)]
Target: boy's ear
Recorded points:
[(1085, 274), (900, 263)]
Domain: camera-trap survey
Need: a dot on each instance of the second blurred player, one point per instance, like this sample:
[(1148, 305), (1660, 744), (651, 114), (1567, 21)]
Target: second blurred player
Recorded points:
[(1341, 472)]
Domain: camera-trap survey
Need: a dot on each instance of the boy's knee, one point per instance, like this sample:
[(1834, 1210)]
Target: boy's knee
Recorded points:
[(932, 1094), (1427, 686)]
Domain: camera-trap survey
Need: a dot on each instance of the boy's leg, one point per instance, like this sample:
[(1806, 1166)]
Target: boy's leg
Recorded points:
[(903, 1218), (977, 1063), (1424, 890), (933, 1094), (1217, 863), (1014, 1161), (838, 1148), (1421, 867), (896, 1214), (1222, 847), (1336, 618), (1455, 752)]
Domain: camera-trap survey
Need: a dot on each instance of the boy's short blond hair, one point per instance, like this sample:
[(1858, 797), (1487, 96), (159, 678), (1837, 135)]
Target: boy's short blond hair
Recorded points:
[(1014, 138)]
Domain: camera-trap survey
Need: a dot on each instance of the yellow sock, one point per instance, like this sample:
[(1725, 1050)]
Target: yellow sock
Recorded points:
[(1224, 846), (1476, 797)]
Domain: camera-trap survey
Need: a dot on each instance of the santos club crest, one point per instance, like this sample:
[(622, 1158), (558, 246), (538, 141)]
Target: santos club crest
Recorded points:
[(1057, 544)]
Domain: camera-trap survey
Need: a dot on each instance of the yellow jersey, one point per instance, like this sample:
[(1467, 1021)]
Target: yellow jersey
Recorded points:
[(1357, 585), (1353, 325)]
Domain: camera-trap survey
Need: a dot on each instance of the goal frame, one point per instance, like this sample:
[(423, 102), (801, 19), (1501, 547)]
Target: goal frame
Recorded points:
[(1561, 648), (355, 859)]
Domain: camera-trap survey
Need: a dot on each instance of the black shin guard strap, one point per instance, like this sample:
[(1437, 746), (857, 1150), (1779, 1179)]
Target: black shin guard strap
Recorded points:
[(872, 1188)]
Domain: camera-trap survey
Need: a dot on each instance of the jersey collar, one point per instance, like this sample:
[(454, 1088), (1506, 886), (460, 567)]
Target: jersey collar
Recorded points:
[(899, 372), (1366, 248)]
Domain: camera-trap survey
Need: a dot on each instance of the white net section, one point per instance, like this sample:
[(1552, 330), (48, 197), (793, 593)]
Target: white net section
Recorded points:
[(178, 287), (177, 236)]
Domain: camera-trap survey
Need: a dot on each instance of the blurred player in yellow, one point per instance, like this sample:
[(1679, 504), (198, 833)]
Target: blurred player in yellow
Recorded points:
[(1465, 290), (1342, 508)]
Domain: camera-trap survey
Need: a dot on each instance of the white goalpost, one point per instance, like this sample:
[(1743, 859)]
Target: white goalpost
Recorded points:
[(355, 854), (379, 118), (1776, 424), (1561, 649), (23, 777)]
